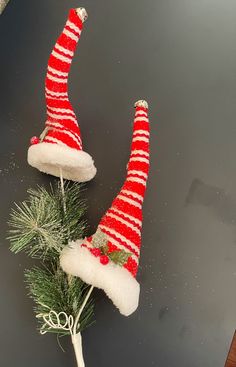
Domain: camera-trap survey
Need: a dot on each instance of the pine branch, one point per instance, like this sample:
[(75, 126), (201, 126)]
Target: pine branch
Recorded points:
[(75, 209), (51, 291), (41, 227)]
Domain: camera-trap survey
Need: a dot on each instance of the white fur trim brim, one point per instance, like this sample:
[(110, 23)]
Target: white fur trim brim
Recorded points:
[(116, 281), (76, 165)]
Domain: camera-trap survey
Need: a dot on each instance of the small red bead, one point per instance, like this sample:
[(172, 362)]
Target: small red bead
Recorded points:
[(104, 260), (96, 252), (34, 140)]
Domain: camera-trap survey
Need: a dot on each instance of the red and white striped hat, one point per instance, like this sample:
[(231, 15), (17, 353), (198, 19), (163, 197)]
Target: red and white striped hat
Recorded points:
[(109, 259), (59, 149)]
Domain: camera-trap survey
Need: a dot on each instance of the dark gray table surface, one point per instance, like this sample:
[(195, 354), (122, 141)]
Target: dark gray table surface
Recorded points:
[(180, 55)]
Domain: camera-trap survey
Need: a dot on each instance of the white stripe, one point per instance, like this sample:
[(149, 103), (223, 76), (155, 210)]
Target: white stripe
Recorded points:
[(64, 50), (61, 117), (122, 238), (141, 119), (73, 26), (54, 140), (135, 172), (55, 79), (144, 132), (57, 94), (56, 99), (141, 138), (137, 221), (61, 57), (57, 124), (75, 137), (71, 35), (140, 112), (65, 110), (141, 152), (128, 224), (138, 180), (72, 136), (139, 159), (55, 71), (134, 194), (130, 201)]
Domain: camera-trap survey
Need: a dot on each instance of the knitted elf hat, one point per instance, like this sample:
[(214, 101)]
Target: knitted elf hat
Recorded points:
[(109, 259), (59, 150)]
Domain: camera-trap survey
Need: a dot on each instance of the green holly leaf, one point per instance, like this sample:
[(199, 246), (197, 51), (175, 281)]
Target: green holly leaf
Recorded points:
[(119, 257), (99, 239)]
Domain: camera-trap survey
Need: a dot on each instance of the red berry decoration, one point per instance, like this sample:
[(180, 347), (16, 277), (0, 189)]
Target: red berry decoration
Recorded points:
[(34, 140), (96, 252), (104, 259)]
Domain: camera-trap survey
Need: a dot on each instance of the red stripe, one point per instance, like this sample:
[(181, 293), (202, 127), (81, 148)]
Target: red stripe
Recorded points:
[(67, 42), (138, 166), (122, 229), (111, 210), (131, 266), (68, 124), (74, 18), (58, 64), (136, 175), (140, 145), (139, 155), (130, 196), (55, 86), (141, 125), (68, 28), (135, 187), (64, 138), (56, 75), (49, 141), (62, 53), (125, 207), (59, 104), (64, 113), (121, 242), (141, 135), (139, 108), (63, 129)]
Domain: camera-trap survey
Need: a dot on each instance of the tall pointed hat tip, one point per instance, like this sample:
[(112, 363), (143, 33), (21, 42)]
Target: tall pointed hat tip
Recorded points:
[(60, 145), (141, 103), (82, 13)]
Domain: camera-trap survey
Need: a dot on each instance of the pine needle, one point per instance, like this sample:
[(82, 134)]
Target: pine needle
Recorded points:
[(40, 227)]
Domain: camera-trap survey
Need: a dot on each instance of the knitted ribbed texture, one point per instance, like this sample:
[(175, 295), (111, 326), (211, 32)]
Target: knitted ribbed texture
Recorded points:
[(119, 229), (123, 221), (59, 150), (60, 114)]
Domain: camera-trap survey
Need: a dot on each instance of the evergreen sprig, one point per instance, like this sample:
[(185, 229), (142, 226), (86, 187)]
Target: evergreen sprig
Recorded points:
[(51, 289), (41, 226)]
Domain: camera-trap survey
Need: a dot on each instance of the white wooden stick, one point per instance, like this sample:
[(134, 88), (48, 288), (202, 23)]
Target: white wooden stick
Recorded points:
[(3, 4), (71, 324), (77, 344)]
